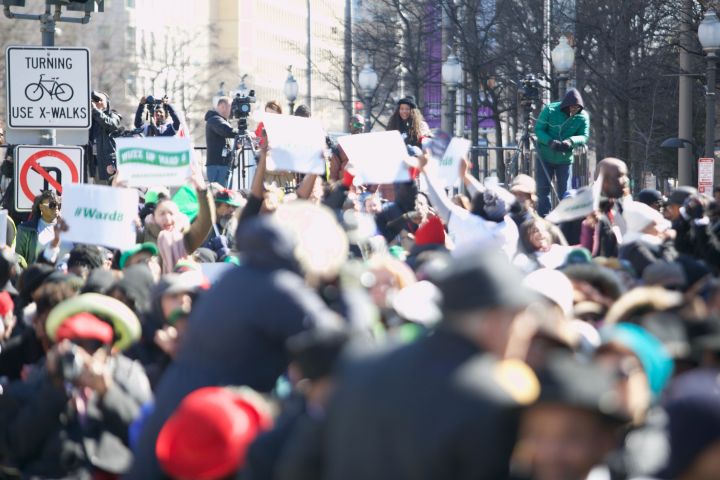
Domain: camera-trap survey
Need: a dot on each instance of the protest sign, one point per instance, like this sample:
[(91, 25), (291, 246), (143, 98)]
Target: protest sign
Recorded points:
[(585, 201), (449, 164), (377, 157), (144, 162), (100, 215), (297, 144)]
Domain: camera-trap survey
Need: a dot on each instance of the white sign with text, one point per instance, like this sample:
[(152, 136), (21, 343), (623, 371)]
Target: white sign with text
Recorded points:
[(377, 157), (150, 161), (297, 144), (100, 215), (449, 164), (48, 87)]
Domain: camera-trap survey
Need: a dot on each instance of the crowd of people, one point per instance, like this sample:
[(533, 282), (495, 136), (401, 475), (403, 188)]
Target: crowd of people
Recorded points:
[(348, 331)]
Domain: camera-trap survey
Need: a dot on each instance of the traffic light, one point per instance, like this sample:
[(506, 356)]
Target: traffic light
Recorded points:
[(359, 106)]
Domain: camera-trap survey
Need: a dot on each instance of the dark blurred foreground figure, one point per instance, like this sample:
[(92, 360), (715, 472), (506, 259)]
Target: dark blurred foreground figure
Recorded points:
[(236, 333), (443, 407)]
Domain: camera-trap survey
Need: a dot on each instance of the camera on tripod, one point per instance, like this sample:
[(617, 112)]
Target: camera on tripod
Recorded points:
[(241, 109), (529, 90)]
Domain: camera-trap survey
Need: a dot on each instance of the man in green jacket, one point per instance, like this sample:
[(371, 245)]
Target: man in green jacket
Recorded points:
[(561, 127)]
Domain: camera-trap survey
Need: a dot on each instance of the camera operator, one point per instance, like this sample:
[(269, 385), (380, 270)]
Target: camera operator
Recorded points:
[(72, 416), (219, 150), (560, 127), (105, 124), (158, 124)]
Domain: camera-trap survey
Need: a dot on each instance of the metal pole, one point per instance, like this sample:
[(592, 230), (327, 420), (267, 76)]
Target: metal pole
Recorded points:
[(292, 108), (710, 107), (368, 118), (562, 85), (47, 28), (452, 92), (309, 56), (685, 103)]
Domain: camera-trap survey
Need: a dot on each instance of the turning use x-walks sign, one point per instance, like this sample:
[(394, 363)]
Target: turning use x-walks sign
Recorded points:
[(39, 168)]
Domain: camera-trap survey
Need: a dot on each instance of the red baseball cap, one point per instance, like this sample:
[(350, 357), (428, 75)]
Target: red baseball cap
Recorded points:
[(208, 435), (84, 326)]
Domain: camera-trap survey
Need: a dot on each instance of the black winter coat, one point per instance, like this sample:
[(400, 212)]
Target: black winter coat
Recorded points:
[(430, 410), (45, 436), (104, 125), (217, 131)]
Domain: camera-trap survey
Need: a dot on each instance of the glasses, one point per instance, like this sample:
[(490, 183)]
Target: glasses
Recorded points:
[(52, 205)]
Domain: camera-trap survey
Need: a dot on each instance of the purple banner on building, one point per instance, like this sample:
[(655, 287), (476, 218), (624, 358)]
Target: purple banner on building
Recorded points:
[(432, 104)]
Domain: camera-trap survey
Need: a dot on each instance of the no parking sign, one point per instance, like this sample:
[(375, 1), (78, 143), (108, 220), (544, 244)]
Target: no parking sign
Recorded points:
[(39, 168)]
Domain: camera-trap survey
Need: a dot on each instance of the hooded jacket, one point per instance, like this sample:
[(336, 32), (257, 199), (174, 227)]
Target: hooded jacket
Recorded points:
[(555, 124), (217, 131)]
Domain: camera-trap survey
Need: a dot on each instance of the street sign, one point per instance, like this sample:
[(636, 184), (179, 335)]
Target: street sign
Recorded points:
[(706, 170), (48, 87), (39, 168)]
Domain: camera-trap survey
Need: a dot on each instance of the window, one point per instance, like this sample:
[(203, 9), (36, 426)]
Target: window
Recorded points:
[(130, 40)]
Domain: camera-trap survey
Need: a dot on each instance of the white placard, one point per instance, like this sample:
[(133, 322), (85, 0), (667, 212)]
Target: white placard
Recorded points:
[(297, 144), (146, 162), (48, 87), (377, 157), (449, 164), (100, 215)]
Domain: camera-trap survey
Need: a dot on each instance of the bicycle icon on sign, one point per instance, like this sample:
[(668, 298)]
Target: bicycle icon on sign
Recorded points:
[(35, 91)]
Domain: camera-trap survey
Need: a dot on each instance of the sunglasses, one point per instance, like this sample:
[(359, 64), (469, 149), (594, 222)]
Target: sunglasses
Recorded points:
[(52, 205)]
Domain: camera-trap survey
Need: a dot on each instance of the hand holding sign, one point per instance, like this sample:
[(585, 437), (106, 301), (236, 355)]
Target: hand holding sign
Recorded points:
[(449, 164)]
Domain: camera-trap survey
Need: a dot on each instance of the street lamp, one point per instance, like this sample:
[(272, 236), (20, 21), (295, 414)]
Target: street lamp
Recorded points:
[(291, 89), (709, 36), (452, 76), (563, 58), (367, 79)]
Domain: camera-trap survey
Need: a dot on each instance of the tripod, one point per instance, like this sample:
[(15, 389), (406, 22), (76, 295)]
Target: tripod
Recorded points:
[(241, 144)]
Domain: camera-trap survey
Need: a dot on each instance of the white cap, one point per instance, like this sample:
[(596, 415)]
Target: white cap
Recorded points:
[(554, 286)]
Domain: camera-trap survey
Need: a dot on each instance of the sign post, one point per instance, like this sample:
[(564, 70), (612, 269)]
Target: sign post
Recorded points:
[(706, 169)]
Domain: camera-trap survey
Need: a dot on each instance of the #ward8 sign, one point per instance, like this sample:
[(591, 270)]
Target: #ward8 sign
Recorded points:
[(39, 168), (48, 87)]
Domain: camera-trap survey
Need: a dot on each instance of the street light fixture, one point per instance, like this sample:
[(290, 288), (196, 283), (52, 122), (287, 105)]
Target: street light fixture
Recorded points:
[(368, 80), (563, 58), (452, 76), (709, 36), (291, 89)]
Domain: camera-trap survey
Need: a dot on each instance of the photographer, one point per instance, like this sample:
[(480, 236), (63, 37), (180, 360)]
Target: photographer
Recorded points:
[(560, 127), (72, 415), (217, 133), (158, 124), (105, 124)]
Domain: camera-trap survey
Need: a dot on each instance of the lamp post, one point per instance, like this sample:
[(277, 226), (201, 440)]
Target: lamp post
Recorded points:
[(291, 89), (709, 36), (563, 58), (367, 79), (451, 76)]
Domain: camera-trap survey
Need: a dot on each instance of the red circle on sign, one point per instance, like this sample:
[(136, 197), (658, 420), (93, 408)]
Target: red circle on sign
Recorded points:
[(32, 162)]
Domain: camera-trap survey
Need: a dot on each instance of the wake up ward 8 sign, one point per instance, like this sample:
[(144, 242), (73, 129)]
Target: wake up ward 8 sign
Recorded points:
[(48, 87)]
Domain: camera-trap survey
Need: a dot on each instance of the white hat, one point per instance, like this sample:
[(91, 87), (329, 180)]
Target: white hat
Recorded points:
[(639, 216), (554, 286), (419, 303)]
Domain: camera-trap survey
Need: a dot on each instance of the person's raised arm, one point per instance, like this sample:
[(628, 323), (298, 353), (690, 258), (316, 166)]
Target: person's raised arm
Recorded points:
[(257, 188), (139, 112), (200, 228), (305, 189), (222, 128), (175, 118), (472, 184), (443, 205)]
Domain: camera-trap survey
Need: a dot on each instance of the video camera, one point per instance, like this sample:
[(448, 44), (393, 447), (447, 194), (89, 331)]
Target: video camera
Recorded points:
[(241, 109), (152, 103), (529, 90)]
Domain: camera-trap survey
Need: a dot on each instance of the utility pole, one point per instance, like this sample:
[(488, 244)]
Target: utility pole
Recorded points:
[(685, 118), (309, 54), (347, 65)]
